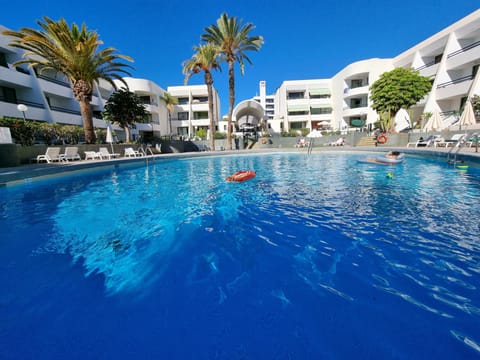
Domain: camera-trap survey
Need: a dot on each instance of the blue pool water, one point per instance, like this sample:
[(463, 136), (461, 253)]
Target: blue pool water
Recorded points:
[(318, 257)]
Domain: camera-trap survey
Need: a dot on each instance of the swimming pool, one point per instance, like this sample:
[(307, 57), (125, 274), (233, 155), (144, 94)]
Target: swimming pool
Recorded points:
[(317, 257)]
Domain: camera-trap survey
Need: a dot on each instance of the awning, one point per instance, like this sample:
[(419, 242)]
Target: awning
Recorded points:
[(319, 91), (298, 108)]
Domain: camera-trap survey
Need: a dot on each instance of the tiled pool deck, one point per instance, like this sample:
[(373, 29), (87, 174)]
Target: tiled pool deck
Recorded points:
[(27, 173)]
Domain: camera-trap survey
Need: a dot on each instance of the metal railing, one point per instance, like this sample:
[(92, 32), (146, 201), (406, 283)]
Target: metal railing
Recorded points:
[(431, 63), (65, 110), (456, 81), (463, 49), (53, 80)]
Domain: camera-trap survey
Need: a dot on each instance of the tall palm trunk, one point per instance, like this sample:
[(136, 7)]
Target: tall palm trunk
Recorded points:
[(209, 82), (231, 82), (87, 117), (83, 92)]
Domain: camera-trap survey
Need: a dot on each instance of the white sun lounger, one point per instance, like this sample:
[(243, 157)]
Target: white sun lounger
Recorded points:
[(92, 155), (52, 154), (71, 153), (129, 152), (103, 151)]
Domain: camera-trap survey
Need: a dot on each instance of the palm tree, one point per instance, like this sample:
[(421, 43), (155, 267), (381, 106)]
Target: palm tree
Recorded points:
[(205, 59), (234, 41), (170, 102), (73, 52)]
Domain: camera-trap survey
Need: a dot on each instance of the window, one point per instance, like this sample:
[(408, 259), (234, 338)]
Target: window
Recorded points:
[(145, 99), (199, 115), (356, 103), (200, 99), (475, 70), (183, 101), (182, 131), (356, 83), (438, 58), (297, 125), (3, 60), (319, 111), (183, 115), (318, 96), (8, 95), (298, 112), (295, 95)]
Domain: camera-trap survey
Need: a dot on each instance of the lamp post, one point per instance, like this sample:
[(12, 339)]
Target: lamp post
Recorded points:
[(23, 108)]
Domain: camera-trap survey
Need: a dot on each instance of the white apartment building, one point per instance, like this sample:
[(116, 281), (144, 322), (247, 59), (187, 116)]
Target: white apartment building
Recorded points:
[(191, 112), (267, 101), (451, 59), (48, 96), (303, 104), (152, 96)]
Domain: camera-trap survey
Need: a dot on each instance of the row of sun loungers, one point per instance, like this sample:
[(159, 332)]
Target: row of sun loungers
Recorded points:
[(71, 153)]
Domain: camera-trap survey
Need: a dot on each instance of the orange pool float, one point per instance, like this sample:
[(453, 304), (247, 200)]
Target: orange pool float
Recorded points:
[(243, 175)]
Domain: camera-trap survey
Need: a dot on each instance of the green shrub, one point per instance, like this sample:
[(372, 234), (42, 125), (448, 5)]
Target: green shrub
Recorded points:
[(201, 133), (219, 135), (23, 132)]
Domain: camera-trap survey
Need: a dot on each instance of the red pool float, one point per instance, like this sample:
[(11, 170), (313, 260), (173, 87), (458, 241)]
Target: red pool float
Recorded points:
[(243, 175)]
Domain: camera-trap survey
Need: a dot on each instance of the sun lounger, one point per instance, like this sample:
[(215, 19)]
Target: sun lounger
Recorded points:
[(103, 151), (71, 153), (92, 155), (130, 152), (432, 140), (339, 142), (52, 154), (452, 141)]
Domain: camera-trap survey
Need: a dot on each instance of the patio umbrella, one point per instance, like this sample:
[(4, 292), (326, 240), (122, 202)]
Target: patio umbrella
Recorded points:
[(434, 123), (109, 138), (468, 116), (402, 120)]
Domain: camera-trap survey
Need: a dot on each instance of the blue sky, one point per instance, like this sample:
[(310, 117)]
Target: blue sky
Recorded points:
[(304, 39)]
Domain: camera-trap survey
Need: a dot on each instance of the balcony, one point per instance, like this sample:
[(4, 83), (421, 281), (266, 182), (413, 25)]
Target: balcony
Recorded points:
[(15, 78), (466, 55), (454, 88), (456, 81), (56, 88), (350, 92), (429, 71), (357, 111), (35, 111)]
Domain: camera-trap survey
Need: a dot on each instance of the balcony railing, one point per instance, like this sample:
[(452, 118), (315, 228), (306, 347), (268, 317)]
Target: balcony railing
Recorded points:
[(456, 81), (55, 81), (462, 50), (65, 110), (19, 101), (431, 63)]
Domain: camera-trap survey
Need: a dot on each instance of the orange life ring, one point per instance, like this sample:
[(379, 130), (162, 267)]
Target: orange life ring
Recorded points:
[(382, 139), (243, 175)]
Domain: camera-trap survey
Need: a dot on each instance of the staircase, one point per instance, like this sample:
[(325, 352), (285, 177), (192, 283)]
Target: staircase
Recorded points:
[(367, 141)]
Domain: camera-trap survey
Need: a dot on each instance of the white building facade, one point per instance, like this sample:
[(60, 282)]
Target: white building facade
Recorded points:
[(48, 96), (450, 58), (191, 111)]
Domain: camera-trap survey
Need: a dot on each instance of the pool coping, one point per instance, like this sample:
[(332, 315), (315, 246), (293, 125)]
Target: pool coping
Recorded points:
[(27, 173)]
